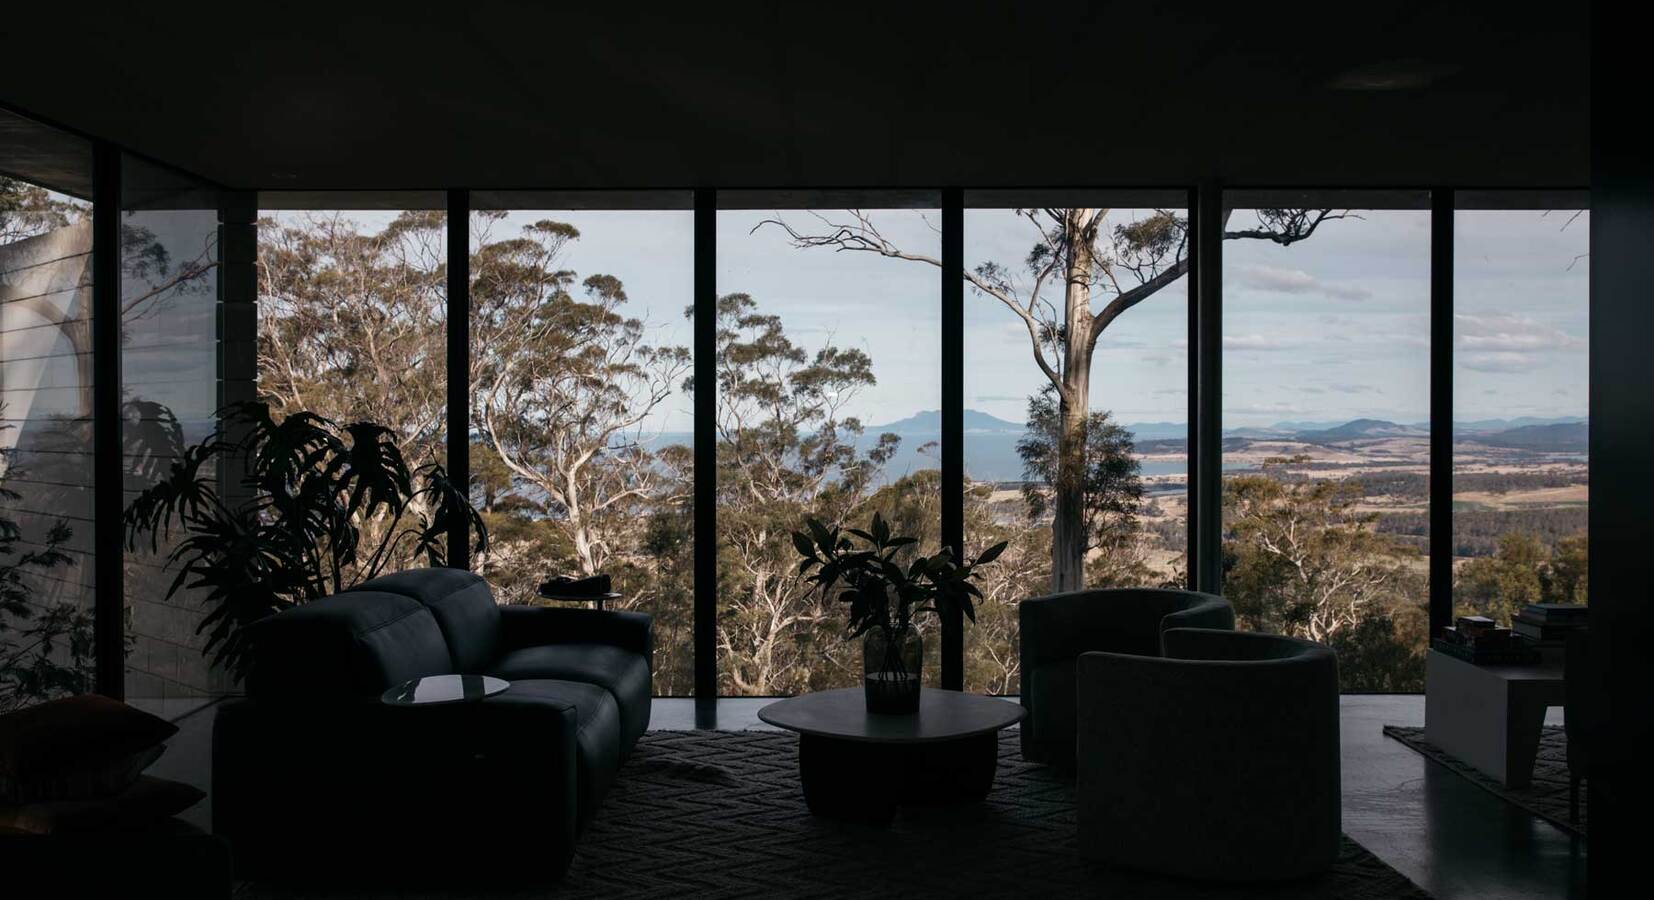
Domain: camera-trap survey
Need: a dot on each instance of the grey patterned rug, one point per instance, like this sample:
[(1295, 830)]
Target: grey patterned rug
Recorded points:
[(721, 814), (1546, 796)]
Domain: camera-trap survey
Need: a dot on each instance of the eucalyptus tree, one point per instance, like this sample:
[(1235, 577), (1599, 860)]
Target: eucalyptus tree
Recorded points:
[(787, 452), (1084, 271), (565, 385)]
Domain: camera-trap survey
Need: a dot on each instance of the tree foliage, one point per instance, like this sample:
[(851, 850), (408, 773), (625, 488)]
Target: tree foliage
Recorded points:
[(1301, 558), (1520, 572)]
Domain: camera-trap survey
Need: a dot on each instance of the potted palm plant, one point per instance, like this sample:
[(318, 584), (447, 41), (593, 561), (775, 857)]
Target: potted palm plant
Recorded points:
[(885, 598), (321, 507)]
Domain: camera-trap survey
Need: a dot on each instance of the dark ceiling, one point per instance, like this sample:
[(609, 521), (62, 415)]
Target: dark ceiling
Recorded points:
[(518, 95)]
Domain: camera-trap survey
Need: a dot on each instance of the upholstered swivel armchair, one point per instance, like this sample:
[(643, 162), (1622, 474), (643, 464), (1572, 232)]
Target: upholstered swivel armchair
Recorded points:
[(1058, 628), (1218, 760)]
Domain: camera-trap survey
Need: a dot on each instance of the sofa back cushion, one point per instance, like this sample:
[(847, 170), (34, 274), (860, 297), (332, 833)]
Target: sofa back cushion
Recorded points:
[(356, 643), (464, 608)]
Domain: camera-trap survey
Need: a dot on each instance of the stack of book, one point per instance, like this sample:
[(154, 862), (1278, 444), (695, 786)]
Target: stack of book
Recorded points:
[(1546, 625), (1479, 640)]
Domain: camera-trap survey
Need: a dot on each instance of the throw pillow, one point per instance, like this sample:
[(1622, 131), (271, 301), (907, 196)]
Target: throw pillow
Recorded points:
[(145, 802), (76, 747)]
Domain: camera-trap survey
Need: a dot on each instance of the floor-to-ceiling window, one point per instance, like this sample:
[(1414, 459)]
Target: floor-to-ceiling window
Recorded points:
[(170, 377), (352, 321), (829, 392), (1326, 406), (581, 425), (1109, 277), (46, 482), (1520, 330)]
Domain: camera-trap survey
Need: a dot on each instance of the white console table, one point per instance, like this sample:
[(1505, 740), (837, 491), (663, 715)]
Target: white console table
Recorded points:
[(1490, 716)]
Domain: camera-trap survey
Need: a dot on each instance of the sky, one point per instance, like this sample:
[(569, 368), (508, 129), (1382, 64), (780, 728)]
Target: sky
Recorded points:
[(1330, 329)]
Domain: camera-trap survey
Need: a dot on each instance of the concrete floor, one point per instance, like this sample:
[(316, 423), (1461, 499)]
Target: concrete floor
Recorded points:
[(1449, 836)]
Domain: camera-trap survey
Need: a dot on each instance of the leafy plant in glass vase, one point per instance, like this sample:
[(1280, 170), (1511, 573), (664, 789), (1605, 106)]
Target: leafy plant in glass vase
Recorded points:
[(885, 598), (318, 507)]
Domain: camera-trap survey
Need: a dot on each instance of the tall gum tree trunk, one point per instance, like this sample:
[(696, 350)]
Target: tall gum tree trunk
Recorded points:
[(1068, 520)]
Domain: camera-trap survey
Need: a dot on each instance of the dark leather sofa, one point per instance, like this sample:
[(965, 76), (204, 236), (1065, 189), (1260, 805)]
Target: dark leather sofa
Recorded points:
[(312, 773)]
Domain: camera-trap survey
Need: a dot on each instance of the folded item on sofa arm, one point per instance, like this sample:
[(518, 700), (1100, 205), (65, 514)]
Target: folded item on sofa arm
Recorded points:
[(565, 586)]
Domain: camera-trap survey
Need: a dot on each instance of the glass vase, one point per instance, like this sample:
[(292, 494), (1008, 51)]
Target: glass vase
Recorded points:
[(892, 663)]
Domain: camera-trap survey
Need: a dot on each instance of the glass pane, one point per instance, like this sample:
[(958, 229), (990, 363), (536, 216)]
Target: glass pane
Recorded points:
[(1520, 381), (1127, 437), (352, 325), (829, 391), (580, 415), (46, 573), (1326, 403), (169, 396)]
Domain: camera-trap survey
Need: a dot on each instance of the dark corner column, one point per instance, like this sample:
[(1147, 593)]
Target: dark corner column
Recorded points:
[(1620, 780), (706, 455), (1206, 493), (237, 324), (953, 421), (459, 364), (108, 477), (1441, 410), (1191, 436)]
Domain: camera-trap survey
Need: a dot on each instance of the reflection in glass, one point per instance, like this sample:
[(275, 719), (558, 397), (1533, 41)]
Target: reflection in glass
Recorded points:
[(46, 497), (169, 397)]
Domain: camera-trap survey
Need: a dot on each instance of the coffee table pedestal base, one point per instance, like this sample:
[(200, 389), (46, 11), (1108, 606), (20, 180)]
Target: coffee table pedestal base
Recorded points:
[(864, 781)]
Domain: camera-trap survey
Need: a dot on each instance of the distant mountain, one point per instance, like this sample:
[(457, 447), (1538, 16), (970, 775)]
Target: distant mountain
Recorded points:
[(1496, 425), (1360, 429), (1566, 437), (929, 421), (1295, 427), (1256, 434)]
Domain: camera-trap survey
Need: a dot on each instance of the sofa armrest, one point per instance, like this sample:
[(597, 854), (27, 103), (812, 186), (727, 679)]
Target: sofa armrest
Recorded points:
[(532, 626)]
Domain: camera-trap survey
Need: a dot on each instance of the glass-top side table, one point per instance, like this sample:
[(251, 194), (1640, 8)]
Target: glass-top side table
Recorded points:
[(434, 690)]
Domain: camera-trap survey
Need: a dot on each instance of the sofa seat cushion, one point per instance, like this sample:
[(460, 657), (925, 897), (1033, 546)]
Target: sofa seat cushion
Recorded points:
[(625, 675), (463, 605), (597, 741)]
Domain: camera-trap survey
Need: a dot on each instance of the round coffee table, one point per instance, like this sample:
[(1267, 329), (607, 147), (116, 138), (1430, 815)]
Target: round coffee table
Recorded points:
[(434, 690), (860, 766)]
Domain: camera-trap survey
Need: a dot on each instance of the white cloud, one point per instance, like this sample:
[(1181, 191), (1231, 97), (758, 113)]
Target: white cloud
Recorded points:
[(1499, 362), (1261, 342), (1510, 334), (1293, 281)]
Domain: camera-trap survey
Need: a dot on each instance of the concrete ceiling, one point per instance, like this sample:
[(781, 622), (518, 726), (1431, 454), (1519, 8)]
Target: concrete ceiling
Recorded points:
[(489, 94)]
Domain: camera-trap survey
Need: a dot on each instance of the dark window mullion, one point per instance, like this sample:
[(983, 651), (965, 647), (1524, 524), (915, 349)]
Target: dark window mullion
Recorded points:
[(1206, 493), (1441, 409), (705, 369), (953, 421), (459, 363)]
